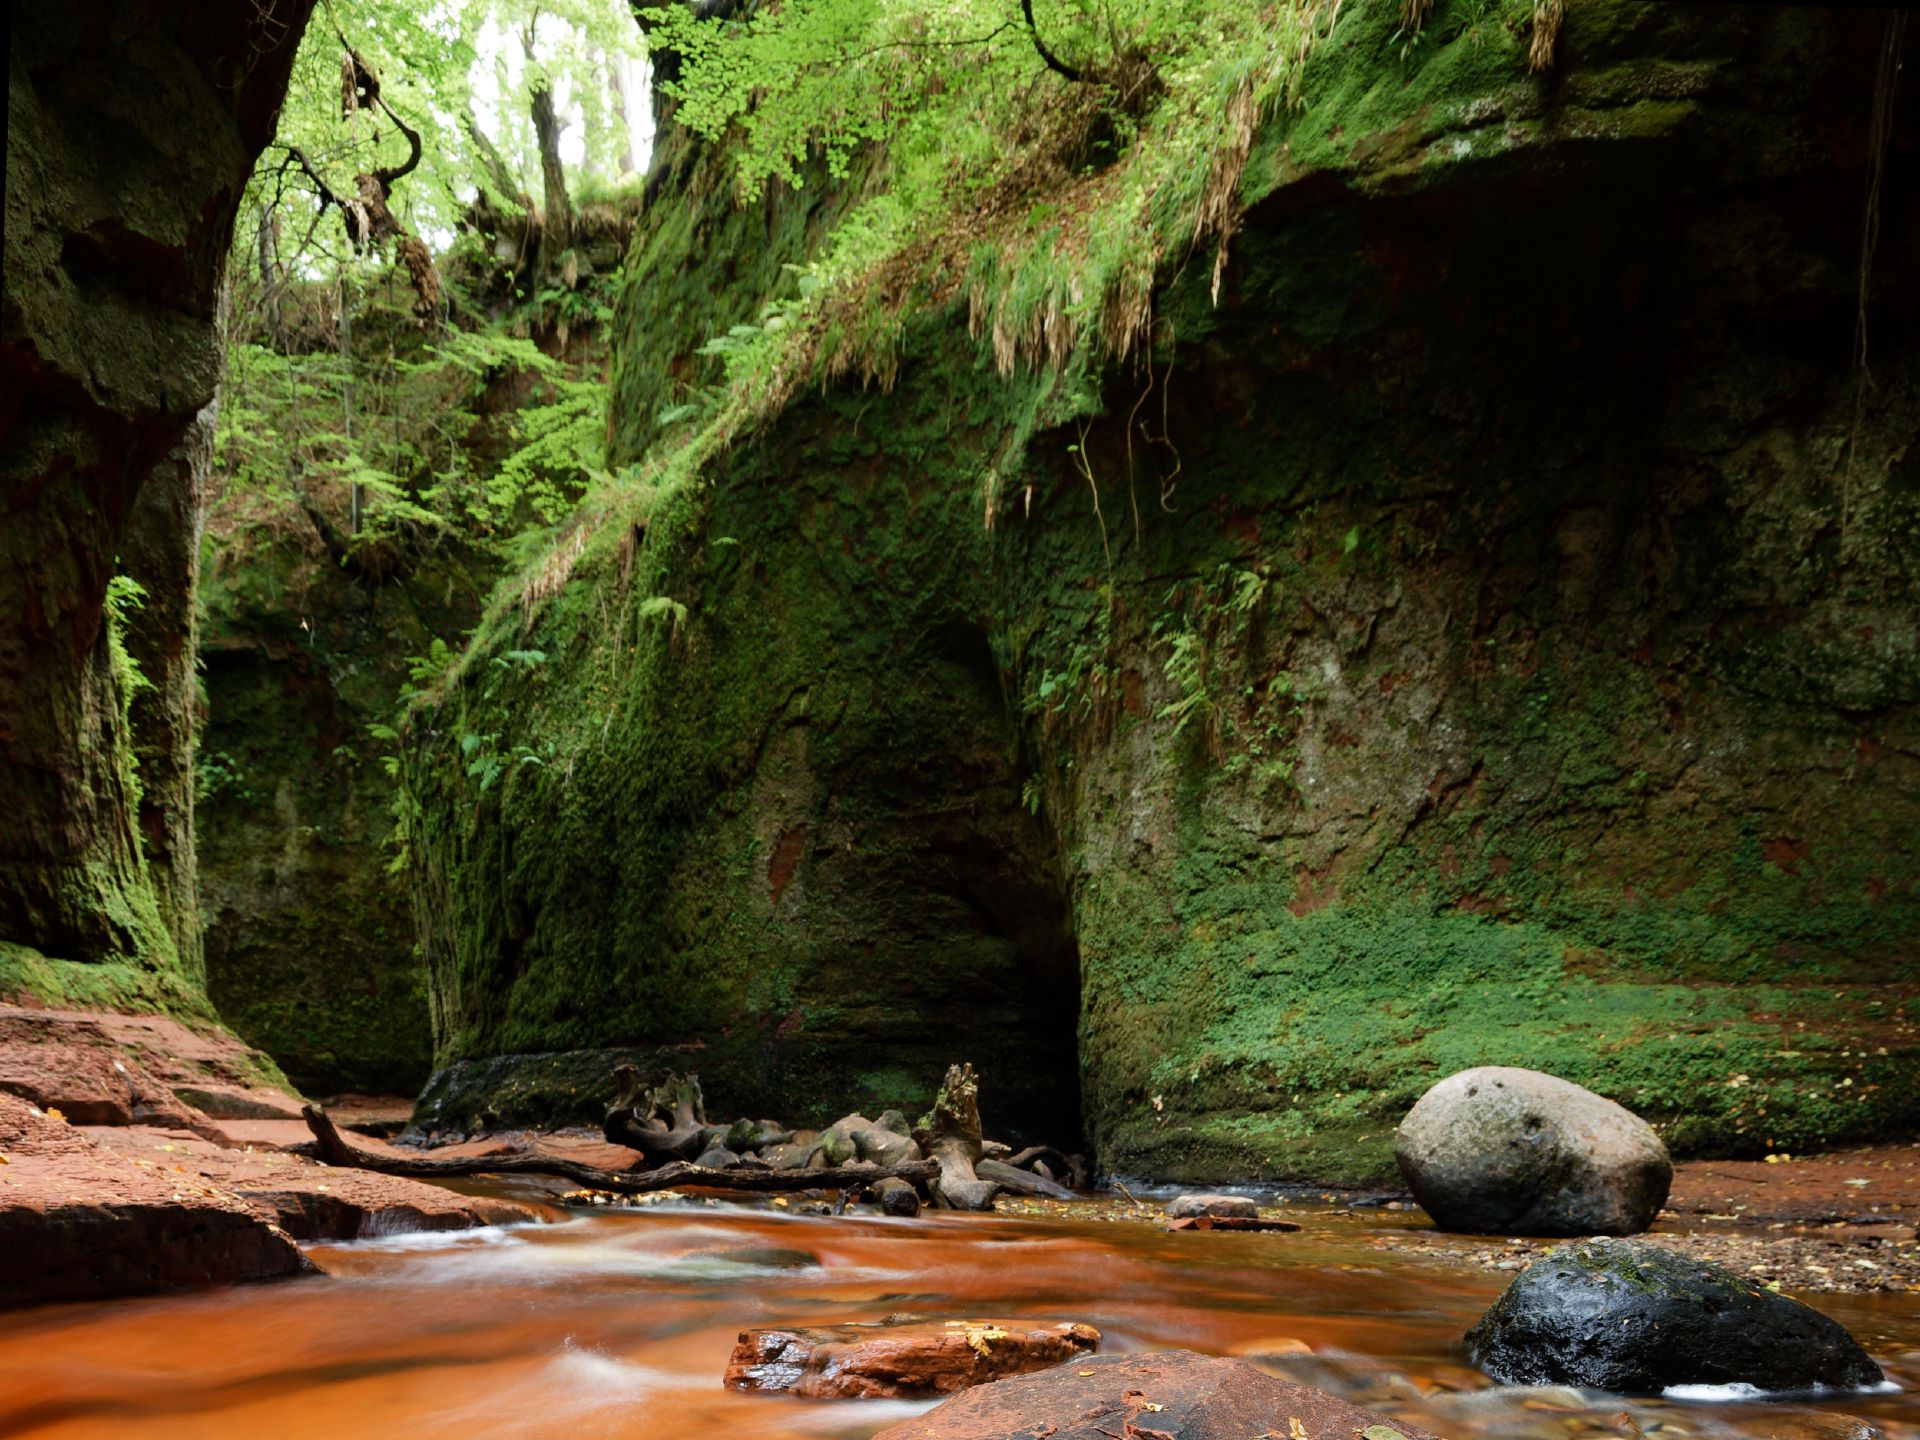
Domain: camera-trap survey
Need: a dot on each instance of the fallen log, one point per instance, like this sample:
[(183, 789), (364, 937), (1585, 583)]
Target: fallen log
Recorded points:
[(334, 1149), (1021, 1182), (1074, 1167)]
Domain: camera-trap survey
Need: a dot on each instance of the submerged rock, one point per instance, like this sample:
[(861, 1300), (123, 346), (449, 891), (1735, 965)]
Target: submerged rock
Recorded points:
[(1632, 1316), (1502, 1151), (906, 1359), (1172, 1393), (765, 1257), (1182, 1207)]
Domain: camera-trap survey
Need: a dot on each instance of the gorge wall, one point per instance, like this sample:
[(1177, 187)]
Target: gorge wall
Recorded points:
[(1495, 642), (130, 134)]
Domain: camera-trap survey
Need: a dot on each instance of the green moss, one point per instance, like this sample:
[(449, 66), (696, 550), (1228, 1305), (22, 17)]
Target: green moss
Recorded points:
[(1459, 666), (44, 980)]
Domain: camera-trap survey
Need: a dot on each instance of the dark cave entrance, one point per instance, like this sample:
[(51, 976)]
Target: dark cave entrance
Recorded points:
[(943, 893)]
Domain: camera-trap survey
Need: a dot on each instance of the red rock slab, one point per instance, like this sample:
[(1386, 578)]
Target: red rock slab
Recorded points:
[(1171, 1395), (101, 1067), (71, 1065), (907, 1360), (81, 1222), (311, 1201)]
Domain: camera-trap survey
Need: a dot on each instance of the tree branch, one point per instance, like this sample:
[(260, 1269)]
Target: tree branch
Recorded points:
[(387, 177), (1053, 62)]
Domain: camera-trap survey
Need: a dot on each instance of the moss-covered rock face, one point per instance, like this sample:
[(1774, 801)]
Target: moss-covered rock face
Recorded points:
[(309, 940), (130, 133), (1495, 642)]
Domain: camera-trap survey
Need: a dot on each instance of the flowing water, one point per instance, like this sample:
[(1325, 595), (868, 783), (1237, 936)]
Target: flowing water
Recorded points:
[(620, 1323)]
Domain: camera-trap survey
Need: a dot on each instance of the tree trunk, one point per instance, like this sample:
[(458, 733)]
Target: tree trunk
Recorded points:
[(622, 111), (108, 355), (950, 1135), (506, 186), (557, 212)]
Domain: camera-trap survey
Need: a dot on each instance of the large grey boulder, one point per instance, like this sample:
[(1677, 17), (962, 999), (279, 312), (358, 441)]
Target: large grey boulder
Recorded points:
[(1633, 1316), (1501, 1151)]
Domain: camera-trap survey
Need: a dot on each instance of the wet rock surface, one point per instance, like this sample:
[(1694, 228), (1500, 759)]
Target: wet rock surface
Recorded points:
[(900, 1359), (308, 1200), (1183, 1207), (1170, 1394), (79, 1221), (1499, 1150), (1633, 1317), (103, 1068)]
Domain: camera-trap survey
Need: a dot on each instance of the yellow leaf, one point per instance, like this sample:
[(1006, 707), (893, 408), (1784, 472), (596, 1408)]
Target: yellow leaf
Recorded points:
[(1295, 1430), (1085, 1373), (54, 1113), (981, 1338)]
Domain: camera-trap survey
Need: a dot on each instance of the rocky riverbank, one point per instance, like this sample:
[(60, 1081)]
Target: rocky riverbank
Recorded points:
[(138, 1153)]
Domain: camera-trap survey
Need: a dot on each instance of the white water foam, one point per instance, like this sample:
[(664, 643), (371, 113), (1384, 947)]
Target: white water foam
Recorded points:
[(1741, 1390)]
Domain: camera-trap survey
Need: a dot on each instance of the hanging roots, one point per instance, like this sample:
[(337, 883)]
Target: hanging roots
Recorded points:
[(1547, 17)]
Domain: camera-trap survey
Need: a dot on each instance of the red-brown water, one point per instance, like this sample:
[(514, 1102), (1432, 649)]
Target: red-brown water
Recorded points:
[(616, 1324)]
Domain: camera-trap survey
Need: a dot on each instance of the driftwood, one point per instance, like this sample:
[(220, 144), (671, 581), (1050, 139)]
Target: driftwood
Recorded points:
[(334, 1149), (1074, 1167), (1021, 1182), (950, 1136), (634, 1119)]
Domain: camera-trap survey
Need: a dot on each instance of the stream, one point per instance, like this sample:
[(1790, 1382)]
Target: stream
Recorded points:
[(619, 1323)]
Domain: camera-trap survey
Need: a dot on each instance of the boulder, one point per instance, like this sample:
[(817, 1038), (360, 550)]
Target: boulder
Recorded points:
[(1500, 1151), (1173, 1393), (839, 1141), (1632, 1316), (886, 1147), (717, 1157), (904, 1359), (79, 1222), (789, 1155), (1183, 1207)]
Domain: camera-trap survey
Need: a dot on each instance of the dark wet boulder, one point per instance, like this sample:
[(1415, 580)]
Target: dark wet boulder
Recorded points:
[(717, 1157), (1501, 1151), (1171, 1393), (1633, 1316)]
